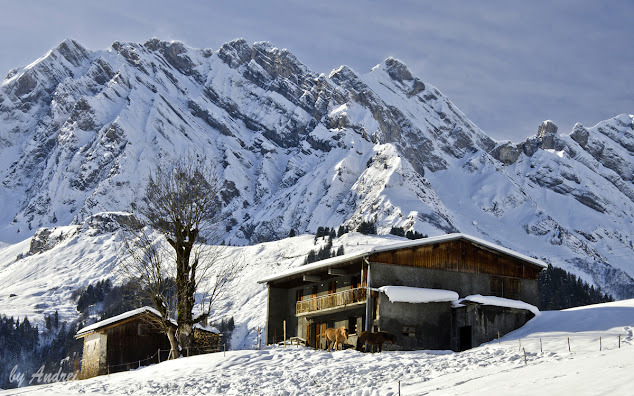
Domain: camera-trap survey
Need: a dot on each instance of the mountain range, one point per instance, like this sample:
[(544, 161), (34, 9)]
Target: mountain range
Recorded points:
[(295, 149)]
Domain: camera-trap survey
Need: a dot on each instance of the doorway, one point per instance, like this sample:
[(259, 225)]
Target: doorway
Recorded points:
[(465, 338)]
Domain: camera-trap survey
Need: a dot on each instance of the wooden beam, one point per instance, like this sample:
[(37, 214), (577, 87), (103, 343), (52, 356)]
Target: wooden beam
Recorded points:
[(312, 278), (337, 272)]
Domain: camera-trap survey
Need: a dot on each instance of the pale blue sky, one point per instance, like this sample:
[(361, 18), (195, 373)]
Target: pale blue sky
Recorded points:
[(508, 65)]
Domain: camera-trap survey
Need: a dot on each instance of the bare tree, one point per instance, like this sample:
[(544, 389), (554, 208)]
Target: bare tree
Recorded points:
[(182, 204)]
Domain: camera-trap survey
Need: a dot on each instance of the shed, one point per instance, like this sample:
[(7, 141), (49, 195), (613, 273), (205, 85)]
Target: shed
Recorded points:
[(133, 339)]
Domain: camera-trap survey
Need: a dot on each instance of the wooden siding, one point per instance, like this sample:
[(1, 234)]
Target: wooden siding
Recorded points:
[(132, 341), (459, 256)]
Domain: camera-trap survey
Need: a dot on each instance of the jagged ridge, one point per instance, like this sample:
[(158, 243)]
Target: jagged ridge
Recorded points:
[(295, 149)]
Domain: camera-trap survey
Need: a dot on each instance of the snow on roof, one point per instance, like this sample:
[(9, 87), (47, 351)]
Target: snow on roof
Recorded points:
[(418, 294), (400, 245), (117, 318), (133, 313), (500, 302)]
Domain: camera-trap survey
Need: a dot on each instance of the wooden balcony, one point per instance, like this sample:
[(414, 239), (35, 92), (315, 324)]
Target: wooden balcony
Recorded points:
[(331, 302)]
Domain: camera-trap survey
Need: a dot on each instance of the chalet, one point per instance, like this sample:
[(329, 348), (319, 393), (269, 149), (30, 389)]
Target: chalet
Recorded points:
[(448, 292), (132, 339)]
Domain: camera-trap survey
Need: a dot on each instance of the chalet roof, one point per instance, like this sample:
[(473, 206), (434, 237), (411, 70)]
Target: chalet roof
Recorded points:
[(129, 315), (334, 261)]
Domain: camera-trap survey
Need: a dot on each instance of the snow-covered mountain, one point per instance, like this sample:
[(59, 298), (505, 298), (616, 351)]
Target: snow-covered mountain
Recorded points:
[(80, 129)]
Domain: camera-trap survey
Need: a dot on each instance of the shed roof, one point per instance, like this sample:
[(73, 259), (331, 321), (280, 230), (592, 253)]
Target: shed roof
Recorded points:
[(333, 261), (129, 315), (116, 319)]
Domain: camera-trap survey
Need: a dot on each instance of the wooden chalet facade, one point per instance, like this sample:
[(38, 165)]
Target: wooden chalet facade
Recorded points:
[(344, 291), (131, 340)]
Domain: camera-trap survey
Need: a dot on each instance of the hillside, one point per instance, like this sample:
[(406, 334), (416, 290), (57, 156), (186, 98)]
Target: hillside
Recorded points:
[(592, 367)]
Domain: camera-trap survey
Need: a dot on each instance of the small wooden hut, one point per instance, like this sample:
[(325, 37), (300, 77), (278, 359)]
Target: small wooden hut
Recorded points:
[(131, 340)]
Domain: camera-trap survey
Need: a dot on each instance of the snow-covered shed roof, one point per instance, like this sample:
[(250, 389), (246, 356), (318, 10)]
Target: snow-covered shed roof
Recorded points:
[(116, 319), (333, 261), (128, 315), (499, 302)]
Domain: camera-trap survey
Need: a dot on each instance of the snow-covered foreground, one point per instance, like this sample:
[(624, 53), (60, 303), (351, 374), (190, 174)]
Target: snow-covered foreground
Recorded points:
[(491, 369)]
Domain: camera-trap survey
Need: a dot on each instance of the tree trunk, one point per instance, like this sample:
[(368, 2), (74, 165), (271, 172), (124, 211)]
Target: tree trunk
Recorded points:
[(186, 337), (185, 284), (173, 344)]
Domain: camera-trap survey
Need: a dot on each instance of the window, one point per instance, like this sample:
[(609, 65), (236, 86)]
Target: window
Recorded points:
[(299, 295), (409, 331), (512, 288), (332, 287), (505, 287), (497, 286)]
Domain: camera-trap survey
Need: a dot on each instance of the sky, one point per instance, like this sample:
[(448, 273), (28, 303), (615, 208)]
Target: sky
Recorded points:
[(508, 65)]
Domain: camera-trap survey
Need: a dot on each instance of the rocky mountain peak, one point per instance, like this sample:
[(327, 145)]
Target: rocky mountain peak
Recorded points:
[(397, 70), (71, 50), (580, 135), (546, 128), (277, 62), (235, 53)]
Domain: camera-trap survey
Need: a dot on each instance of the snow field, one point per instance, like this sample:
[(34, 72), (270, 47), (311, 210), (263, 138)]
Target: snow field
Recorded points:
[(491, 369)]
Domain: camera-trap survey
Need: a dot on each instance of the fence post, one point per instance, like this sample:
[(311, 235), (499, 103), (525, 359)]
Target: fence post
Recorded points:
[(399, 387), (224, 349), (600, 344), (520, 348), (619, 341), (541, 348), (159, 355), (525, 362), (569, 345), (284, 334), (498, 336)]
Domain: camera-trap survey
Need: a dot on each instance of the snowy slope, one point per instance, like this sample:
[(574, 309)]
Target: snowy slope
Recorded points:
[(80, 129), (39, 275), (594, 366)]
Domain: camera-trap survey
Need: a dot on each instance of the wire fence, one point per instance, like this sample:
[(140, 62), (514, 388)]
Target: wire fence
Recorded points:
[(578, 343), (162, 355)]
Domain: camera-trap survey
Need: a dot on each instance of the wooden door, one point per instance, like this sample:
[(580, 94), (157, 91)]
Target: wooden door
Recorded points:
[(321, 334)]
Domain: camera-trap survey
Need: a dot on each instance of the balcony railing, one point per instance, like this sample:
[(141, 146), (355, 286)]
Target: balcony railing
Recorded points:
[(335, 300)]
